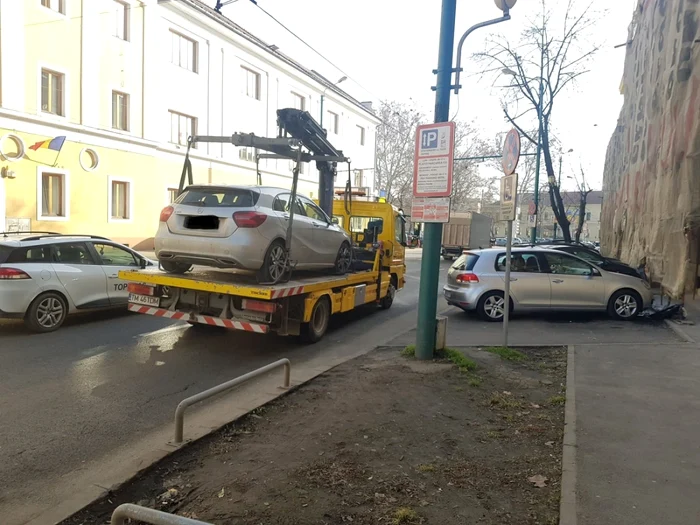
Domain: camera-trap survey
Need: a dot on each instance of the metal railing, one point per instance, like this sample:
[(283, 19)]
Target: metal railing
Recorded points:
[(146, 515), (180, 410)]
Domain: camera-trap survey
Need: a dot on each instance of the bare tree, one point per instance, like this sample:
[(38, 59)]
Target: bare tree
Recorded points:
[(583, 190), (468, 184), (395, 147), (545, 61)]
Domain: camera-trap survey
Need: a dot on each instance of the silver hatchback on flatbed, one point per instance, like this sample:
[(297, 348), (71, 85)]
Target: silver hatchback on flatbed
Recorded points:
[(541, 279)]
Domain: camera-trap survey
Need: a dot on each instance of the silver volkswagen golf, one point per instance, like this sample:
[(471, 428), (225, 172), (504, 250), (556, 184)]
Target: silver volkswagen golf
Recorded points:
[(541, 279), (244, 227)]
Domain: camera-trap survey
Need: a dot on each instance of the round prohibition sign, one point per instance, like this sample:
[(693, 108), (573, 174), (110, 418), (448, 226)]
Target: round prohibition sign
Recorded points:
[(511, 152)]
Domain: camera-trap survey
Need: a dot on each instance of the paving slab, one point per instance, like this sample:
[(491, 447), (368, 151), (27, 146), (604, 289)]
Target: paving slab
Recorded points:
[(638, 452)]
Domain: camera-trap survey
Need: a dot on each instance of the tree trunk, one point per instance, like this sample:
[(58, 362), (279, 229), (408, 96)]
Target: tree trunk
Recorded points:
[(554, 194), (581, 213)]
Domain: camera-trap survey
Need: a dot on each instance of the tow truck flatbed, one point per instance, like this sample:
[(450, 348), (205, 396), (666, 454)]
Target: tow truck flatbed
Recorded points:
[(244, 284)]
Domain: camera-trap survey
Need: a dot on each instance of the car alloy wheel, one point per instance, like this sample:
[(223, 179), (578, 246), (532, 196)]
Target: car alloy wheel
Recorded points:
[(626, 306), (344, 259), (50, 312), (494, 307), (277, 262)]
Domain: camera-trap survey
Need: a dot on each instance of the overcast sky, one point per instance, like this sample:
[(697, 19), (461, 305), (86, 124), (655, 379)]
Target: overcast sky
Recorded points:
[(388, 48)]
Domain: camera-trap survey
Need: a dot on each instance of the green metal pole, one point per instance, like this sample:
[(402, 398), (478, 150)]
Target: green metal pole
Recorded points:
[(533, 238), (321, 122), (559, 186), (432, 235)]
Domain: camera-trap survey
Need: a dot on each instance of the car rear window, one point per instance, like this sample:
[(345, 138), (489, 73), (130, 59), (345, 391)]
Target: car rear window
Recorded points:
[(31, 254), (219, 197), (465, 262), (4, 253)]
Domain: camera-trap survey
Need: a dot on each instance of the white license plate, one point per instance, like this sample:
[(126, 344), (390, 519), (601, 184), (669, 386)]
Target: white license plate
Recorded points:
[(145, 300)]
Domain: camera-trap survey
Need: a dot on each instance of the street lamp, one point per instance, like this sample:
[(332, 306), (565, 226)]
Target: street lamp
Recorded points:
[(323, 95), (426, 325), (561, 159)]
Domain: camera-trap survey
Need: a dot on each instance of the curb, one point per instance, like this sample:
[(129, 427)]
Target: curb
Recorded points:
[(567, 505), (679, 331)]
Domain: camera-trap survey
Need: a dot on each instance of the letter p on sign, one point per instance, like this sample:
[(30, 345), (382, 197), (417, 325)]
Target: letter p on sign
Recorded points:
[(429, 140)]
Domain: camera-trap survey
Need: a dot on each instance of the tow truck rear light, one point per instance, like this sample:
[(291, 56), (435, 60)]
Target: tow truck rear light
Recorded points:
[(140, 289), (166, 213), (259, 306), (12, 274), (467, 278), (248, 219)]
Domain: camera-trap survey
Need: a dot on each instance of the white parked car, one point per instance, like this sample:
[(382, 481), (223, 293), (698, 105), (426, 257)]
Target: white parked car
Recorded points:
[(45, 277), (245, 227)]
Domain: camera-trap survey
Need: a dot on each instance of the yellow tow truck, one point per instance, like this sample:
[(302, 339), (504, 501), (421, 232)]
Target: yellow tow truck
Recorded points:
[(303, 305)]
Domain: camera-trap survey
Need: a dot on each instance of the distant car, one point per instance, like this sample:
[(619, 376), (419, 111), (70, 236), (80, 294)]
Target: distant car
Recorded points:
[(541, 279), (499, 241), (245, 227), (593, 256), (45, 277)]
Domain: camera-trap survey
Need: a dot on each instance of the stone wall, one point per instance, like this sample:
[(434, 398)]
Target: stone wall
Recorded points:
[(651, 204)]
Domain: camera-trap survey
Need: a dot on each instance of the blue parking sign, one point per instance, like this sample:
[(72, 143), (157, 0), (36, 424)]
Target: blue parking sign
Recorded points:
[(429, 138)]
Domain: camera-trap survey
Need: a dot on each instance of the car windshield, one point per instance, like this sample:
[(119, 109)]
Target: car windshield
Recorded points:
[(218, 197), (588, 256), (465, 262)]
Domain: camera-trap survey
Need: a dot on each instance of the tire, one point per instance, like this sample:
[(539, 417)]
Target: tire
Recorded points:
[(275, 264), (386, 301), (625, 305), (46, 313), (343, 261), (490, 307), (175, 267), (313, 331), (447, 257)]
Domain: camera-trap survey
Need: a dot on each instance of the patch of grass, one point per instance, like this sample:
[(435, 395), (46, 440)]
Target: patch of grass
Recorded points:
[(508, 354), (475, 381), (409, 351), (504, 401), (493, 434), (464, 363), (426, 468), (557, 400), (405, 516)]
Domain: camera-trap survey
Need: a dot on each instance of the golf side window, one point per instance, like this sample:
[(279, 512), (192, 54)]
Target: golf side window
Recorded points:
[(519, 262), (562, 264)]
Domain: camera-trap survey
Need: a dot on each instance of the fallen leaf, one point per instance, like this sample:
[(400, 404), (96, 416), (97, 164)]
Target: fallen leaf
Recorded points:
[(221, 493), (533, 405), (539, 481), (550, 443), (506, 393)]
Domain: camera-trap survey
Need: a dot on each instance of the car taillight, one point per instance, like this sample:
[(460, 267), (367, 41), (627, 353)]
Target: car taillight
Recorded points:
[(249, 219), (12, 273), (467, 278), (166, 213)]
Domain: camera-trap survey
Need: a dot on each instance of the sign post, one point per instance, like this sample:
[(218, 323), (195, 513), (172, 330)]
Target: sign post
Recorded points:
[(432, 187), (509, 194)]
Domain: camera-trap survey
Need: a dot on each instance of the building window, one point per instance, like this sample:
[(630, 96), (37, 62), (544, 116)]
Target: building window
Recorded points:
[(55, 5), (52, 92), (181, 127), (183, 51), (53, 195), (121, 20), (172, 195), (588, 215), (251, 86), (247, 154), (120, 111), (120, 207), (298, 101), (333, 122), (359, 177), (361, 135)]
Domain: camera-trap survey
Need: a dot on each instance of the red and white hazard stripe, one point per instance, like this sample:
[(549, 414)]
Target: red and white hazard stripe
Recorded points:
[(286, 292), (158, 312), (204, 319), (235, 325)]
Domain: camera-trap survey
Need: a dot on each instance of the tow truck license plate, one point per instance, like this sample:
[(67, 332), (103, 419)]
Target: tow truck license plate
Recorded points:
[(145, 300)]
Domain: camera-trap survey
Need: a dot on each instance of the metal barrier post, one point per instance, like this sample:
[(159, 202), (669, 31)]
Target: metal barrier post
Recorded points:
[(180, 410), (146, 515)]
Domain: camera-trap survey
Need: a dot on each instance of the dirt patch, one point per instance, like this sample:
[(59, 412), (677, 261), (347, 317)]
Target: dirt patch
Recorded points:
[(378, 440)]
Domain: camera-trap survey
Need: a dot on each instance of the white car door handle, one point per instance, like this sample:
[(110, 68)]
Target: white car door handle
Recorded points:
[(285, 217), (513, 278), (558, 281)]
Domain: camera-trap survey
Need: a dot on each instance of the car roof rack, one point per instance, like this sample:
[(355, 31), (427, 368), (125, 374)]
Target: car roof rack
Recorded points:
[(7, 234), (65, 236)]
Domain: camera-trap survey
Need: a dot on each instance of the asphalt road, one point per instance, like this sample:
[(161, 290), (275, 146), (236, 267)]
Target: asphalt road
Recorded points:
[(105, 380)]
